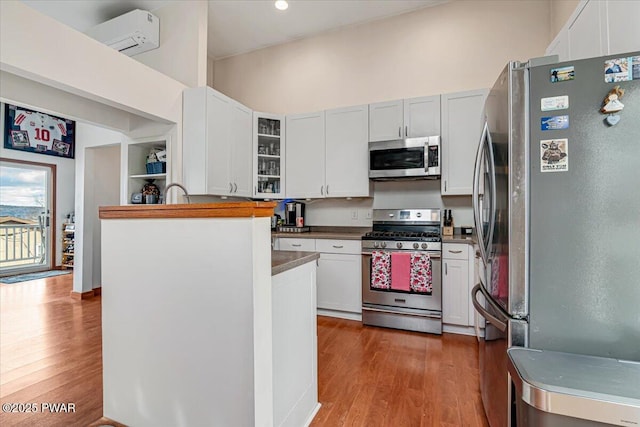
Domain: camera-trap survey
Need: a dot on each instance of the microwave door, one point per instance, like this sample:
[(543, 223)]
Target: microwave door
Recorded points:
[(398, 158)]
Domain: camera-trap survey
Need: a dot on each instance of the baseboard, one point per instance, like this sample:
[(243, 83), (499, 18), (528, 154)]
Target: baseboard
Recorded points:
[(340, 314), (456, 329), (312, 415), (86, 295)]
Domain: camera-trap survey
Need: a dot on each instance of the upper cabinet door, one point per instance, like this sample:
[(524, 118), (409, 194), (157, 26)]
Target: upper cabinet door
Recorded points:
[(624, 26), (241, 150), (421, 116), (386, 120), (305, 155), (218, 150), (587, 34), (347, 166), (461, 131)]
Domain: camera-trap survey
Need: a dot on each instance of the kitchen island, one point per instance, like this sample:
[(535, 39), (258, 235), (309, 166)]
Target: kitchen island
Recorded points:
[(195, 331)]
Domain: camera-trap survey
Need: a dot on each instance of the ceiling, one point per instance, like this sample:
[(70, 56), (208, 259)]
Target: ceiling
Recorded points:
[(241, 26)]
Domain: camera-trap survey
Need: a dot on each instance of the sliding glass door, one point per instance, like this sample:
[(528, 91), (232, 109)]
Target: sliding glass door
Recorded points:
[(26, 209)]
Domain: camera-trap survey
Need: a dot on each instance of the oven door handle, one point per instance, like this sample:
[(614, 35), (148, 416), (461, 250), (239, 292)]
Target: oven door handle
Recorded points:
[(432, 256), (498, 323)]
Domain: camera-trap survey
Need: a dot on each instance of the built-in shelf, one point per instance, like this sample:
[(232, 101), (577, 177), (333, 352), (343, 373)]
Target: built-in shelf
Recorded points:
[(269, 156), (150, 176), (266, 135)]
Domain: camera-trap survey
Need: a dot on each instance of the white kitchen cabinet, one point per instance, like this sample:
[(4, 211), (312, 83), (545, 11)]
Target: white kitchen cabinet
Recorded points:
[(408, 118), (305, 156), (455, 284), (339, 277), (623, 26), (386, 120), (422, 116), (268, 155), (217, 141), (587, 34), (598, 28), (346, 152), (339, 274), (295, 244), (461, 131)]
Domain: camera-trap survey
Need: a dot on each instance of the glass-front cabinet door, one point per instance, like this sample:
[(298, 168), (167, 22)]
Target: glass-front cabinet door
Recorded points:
[(268, 155)]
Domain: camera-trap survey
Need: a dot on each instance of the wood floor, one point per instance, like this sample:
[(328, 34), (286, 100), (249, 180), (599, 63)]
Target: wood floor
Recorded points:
[(50, 352)]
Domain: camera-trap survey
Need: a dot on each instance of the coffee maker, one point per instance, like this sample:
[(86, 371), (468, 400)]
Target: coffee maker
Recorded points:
[(292, 212)]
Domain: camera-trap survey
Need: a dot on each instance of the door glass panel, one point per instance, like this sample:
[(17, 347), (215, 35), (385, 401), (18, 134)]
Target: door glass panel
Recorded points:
[(24, 217), (397, 158)]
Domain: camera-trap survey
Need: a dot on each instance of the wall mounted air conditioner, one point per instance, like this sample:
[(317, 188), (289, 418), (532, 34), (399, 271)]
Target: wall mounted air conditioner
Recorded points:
[(132, 33)]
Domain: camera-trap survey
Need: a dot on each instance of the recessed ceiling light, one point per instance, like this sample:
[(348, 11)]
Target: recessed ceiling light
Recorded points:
[(282, 5)]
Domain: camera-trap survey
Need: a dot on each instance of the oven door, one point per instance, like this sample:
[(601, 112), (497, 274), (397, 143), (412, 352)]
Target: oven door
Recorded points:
[(432, 302), (411, 157)]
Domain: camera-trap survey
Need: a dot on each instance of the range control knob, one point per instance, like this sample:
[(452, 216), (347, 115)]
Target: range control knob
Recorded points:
[(419, 214), (383, 245), (423, 246), (375, 244), (399, 245), (416, 246)]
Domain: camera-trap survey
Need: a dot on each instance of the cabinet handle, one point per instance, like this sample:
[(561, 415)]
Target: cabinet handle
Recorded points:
[(406, 131), (399, 131), (322, 190), (338, 246), (445, 185), (327, 190), (296, 245), (255, 190), (446, 270), (455, 252), (230, 188), (235, 187)]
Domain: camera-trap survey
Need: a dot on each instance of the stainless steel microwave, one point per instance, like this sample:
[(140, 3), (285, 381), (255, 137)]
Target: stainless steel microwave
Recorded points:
[(405, 158)]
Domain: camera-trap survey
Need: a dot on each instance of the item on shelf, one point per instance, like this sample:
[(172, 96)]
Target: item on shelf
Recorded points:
[(150, 192), (156, 167), (68, 242)]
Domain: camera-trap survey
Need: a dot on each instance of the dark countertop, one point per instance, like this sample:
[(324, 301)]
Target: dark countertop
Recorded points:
[(341, 233), (282, 261), (458, 238)]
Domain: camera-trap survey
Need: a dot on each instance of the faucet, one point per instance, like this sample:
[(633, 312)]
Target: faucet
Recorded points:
[(175, 184)]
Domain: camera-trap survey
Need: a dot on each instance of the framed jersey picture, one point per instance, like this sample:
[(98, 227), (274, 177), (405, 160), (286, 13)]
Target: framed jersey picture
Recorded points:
[(35, 132)]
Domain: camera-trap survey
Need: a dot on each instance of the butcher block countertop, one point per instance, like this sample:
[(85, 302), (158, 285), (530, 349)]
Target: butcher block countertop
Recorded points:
[(194, 210), (282, 261)]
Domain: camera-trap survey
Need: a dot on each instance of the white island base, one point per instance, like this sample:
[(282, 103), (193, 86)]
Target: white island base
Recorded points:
[(195, 333)]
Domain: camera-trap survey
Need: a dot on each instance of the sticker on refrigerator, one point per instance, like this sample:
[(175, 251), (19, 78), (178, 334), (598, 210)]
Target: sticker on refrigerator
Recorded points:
[(554, 155), (622, 69), (554, 103), (562, 74), (554, 123)]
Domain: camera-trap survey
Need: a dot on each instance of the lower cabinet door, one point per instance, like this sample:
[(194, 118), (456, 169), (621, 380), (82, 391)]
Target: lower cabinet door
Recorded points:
[(339, 282), (455, 292)]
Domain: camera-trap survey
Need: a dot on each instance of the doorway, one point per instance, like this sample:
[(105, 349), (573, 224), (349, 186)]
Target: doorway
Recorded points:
[(27, 204)]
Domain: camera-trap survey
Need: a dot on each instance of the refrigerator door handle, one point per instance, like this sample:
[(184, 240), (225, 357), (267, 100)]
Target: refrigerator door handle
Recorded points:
[(498, 323), (492, 196), (476, 193)]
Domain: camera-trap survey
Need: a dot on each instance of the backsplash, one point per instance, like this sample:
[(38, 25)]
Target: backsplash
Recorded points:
[(388, 195)]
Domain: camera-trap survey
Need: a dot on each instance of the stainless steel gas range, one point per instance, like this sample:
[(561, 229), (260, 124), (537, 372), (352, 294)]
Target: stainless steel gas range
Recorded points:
[(412, 231)]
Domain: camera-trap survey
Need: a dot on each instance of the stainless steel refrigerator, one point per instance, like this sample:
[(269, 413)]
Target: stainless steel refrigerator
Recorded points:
[(557, 211)]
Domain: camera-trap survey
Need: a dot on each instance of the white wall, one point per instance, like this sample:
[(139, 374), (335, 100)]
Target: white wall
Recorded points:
[(91, 70), (65, 183), (457, 46), (182, 54), (102, 188), (92, 175)]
